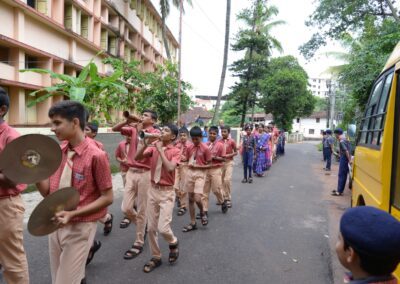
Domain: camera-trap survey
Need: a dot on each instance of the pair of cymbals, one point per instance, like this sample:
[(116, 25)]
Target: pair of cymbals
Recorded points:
[(30, 158), (41, 222)]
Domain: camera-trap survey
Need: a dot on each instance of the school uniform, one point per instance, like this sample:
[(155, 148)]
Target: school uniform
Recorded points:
[(12, 253), (86, 168), (137, 184), (344, 145), (213, 176), (161, 198), (196, 177), (248, 146), (180, 174), (122, 153), (228, 148), (328, 142)]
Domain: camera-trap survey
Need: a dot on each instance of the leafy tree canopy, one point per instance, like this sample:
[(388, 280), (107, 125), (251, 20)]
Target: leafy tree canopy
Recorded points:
[(284, 91), (333, 18)]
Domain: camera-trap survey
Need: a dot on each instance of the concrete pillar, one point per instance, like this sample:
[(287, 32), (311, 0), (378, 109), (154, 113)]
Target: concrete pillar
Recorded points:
[(57, 11), (19, 25), (16, 113)]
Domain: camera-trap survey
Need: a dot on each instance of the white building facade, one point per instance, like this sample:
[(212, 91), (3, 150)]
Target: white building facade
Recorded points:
[(311, 127), (318, 87)]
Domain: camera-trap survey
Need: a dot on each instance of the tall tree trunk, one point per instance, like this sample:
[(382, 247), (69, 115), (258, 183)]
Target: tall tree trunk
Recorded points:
[(253, 107), (164, 34), (225, 62), (394, 10), (244, 110)]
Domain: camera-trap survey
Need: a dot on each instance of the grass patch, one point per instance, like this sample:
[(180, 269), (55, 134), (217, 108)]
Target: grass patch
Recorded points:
[(30, 188), (114, 169), (319, 147)]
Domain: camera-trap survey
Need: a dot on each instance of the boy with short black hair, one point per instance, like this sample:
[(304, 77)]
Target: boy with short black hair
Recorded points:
[(164, 158), (214, 173), (86, 168), (369, 245), (199, 157), (229, 151), (181, 171), (12, 253)]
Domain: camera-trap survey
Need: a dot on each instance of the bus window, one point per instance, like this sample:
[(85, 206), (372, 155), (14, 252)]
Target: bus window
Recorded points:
[(372, 126)]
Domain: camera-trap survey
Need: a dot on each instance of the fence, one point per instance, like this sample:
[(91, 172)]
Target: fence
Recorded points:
[(294, 137)]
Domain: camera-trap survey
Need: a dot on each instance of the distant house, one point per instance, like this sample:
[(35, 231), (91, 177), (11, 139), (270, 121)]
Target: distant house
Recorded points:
[(311, 127), (196, 115), (260, 118)]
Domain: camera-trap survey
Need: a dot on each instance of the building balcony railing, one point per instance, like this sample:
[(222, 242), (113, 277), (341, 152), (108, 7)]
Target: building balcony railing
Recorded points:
[(7, 71)]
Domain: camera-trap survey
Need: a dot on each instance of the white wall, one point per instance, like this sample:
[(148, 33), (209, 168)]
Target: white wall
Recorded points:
[(306, 124)]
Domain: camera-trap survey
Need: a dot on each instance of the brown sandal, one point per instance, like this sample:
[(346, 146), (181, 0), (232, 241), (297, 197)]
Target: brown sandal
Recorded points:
[(173, 255), (152, 264)]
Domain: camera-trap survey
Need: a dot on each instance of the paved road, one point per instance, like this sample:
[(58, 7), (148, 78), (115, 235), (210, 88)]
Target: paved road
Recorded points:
[(276, 232)]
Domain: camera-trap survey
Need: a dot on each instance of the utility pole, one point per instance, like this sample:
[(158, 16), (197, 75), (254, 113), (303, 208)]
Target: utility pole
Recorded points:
[(180, 61), (332, 97)]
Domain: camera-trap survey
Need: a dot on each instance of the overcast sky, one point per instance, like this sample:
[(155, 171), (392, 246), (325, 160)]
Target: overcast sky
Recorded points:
[(203, 40)]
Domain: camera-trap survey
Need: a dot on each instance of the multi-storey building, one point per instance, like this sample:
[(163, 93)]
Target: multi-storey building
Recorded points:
[(319, 87), (63, 36)]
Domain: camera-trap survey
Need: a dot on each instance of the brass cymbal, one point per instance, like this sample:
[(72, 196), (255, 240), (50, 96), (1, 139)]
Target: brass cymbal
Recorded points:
[(40, 222), (30, 158)]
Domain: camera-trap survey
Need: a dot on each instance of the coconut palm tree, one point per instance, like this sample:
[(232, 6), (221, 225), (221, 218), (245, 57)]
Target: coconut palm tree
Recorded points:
[(165, 10), (225, 62)]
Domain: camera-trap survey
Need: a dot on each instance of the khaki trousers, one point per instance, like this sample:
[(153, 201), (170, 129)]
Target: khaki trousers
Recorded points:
[(227, 170), (12, 253), (136, 187), (160, 205), (68, 249), (195, 180), (123, 175), (179, 186), (214, 184)]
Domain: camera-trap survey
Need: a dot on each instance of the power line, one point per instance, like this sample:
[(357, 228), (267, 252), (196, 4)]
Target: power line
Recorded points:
[(209, 19), (203, 38)]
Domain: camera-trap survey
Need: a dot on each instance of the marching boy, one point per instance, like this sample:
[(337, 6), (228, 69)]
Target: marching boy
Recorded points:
[(181, 170), (12, 253), (213, 176), (199, 157), (85, 167), (164, 158), (229, 151)]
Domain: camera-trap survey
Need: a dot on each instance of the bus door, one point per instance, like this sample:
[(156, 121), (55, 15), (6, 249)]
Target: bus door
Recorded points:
[(395, 180)]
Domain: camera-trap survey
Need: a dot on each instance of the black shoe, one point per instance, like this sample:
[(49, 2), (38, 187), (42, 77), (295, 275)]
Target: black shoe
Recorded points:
[(244, 180), (250, 180), (224, 207), (198, 216)]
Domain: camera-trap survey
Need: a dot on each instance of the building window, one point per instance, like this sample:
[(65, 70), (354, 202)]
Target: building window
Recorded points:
[(314, 80), (112, 45), (298, 120), (84, 26), (68, 16), (104, 39), (311, 131), (317, 120), (5, 55), (39, 5), (31, 62)]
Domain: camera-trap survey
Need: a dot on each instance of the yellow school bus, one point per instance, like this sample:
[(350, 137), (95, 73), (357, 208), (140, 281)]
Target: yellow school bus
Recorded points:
[(376, 169)]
